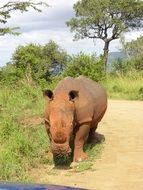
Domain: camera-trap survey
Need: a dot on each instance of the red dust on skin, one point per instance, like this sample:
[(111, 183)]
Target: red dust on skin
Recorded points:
[(61, 127), (76, 111), (61, 120)]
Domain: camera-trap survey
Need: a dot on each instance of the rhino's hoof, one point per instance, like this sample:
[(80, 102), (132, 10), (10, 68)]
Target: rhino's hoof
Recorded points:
[(79, 157)]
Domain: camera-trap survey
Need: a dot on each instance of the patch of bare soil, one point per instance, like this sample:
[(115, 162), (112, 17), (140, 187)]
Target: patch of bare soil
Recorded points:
[(32, 121), (120, 166)]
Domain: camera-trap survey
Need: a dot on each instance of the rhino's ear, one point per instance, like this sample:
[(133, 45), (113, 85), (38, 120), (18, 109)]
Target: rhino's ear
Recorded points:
[(48, 94), (73, 94)]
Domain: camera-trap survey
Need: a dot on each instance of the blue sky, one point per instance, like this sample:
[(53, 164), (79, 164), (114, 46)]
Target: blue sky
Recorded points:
[(39, 28)]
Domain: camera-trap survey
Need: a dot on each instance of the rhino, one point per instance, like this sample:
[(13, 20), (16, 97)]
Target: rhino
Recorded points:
[(74, 108)]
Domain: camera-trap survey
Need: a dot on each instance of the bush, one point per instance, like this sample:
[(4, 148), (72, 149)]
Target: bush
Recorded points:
[(122, 67), (22, 147), (134, 50), (9, 75), (85, 65), (36, 62)]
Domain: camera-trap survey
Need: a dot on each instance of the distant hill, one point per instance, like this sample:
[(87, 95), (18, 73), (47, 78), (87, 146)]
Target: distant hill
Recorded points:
[(116, 55)]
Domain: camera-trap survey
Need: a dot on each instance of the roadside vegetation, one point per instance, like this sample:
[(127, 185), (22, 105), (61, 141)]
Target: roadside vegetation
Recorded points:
[(21, 146), (24, 142)]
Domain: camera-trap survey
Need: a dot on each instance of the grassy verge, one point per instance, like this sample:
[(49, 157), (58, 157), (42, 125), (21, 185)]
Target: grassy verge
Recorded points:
[(20, 148), (129, 87)]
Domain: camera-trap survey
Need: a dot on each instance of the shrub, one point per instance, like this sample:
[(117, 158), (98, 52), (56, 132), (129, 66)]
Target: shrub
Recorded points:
[(85, 65), (21, 146), (122, 67), (9, 74)]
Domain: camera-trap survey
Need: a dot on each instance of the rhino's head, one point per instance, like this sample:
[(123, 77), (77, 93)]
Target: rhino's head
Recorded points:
[(60, 120)]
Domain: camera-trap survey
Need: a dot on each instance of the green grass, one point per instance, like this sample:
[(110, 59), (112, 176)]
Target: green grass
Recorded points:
[(128, 87), (82, 166), (20, 148)]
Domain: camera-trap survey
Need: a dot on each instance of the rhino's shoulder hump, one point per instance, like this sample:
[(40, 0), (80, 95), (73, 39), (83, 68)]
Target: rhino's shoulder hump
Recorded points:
[(65, 80), (87, 80), (81, 77), (66, 84), (68, 80), (68, 77)]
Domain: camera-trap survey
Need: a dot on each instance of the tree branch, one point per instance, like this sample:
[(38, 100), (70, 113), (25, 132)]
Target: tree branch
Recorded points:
[(12, 6), (8, 30), (9, 7)]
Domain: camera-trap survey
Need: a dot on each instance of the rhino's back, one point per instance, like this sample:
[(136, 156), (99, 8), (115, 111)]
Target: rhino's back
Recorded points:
[(91, 88), (65, 85), (85, 86), (93, 99)]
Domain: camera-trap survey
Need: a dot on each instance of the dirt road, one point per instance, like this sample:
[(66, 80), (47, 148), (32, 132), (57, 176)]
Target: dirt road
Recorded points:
[(121, 164)]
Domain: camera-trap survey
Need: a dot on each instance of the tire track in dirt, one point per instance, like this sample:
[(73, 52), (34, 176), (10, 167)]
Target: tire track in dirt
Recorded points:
[(121, 164)]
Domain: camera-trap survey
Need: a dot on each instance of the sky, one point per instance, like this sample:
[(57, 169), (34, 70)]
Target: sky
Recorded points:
[(39, 28)]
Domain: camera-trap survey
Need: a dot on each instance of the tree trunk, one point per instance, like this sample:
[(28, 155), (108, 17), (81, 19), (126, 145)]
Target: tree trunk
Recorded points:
[(105, 55)]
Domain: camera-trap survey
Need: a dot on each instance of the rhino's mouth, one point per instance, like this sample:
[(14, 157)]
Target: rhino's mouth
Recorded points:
[(60, 149)]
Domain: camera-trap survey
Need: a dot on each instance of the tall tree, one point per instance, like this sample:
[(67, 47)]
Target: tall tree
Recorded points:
[(105, 20), (11, 6)]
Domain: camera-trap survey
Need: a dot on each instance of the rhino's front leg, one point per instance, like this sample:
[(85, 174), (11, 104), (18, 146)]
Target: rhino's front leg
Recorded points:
[(80, 139)]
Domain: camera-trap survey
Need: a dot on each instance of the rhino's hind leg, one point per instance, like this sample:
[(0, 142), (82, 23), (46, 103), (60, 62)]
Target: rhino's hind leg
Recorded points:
[(80, 139), (95, 137)]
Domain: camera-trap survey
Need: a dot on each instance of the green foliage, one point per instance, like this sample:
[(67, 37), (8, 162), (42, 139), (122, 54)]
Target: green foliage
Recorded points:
[(134, 50), (105, 19), (11, 6), (57, 57), (94, 18), (125, 86), (30, 62), (9, 74), (134, 62), (39, 63), (49, 63), (135, 47), (22, 147), (86, 65), (120, 66)]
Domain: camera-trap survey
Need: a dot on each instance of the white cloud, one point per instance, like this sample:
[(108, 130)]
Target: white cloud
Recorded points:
[(50, 24)]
